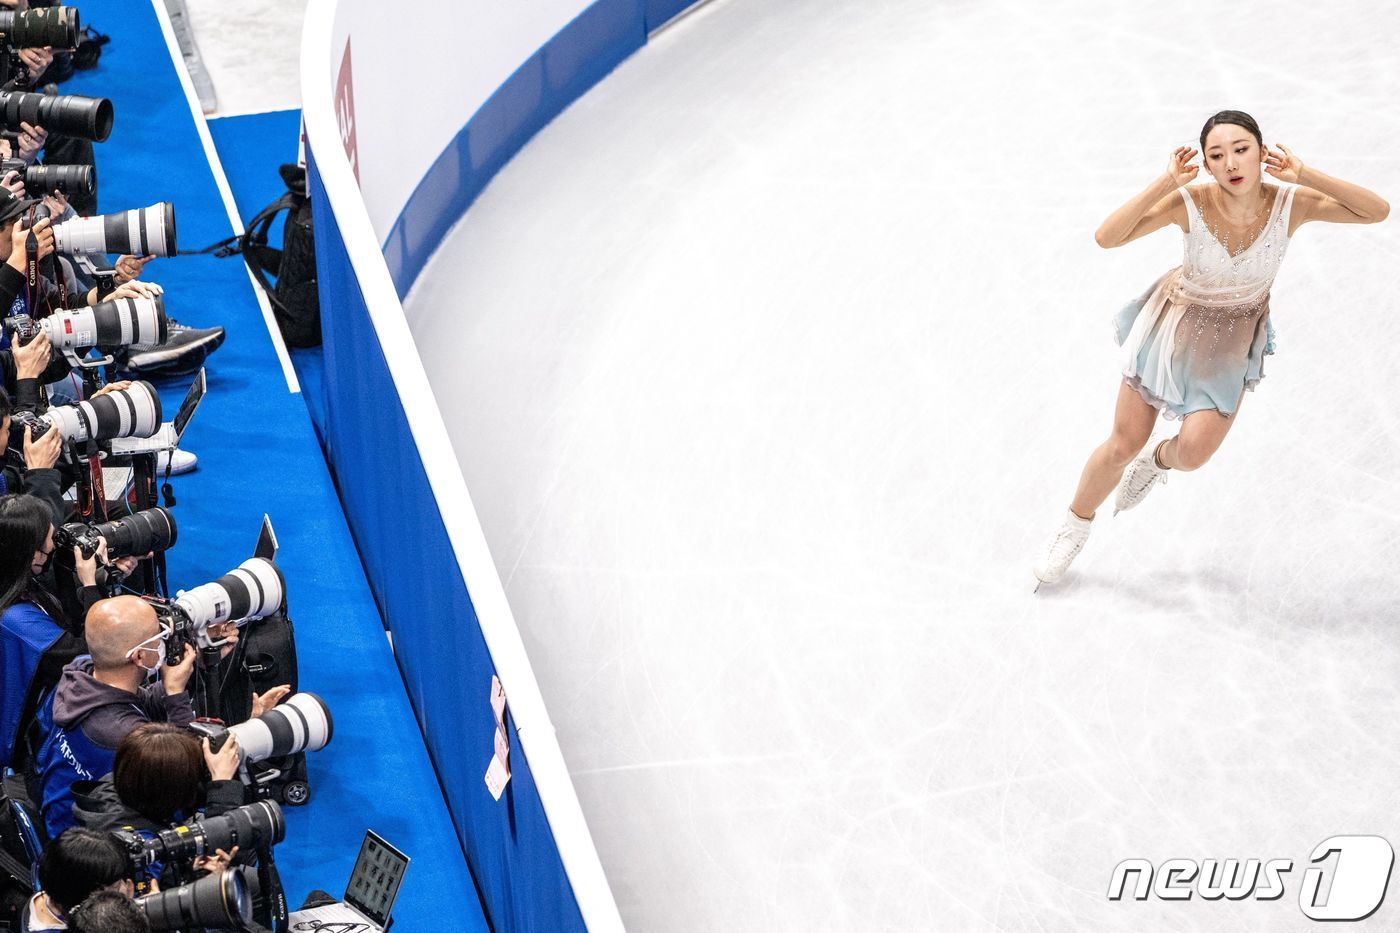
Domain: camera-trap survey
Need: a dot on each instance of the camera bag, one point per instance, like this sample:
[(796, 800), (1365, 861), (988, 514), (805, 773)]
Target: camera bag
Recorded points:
[(266, 657), (294, 296)]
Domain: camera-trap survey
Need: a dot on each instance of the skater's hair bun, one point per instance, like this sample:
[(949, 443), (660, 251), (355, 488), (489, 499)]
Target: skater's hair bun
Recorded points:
[(1235, 117)]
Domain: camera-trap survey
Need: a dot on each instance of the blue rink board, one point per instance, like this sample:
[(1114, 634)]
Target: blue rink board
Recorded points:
[(258, 453)]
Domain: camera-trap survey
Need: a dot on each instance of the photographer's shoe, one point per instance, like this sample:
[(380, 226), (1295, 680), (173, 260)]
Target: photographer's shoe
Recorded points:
[(175, 461), (1063, 548), (184, 351), (1139, 478)]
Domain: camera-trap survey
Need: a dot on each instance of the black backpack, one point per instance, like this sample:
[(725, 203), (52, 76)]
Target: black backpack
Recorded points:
[(265, 657), (294, 298)]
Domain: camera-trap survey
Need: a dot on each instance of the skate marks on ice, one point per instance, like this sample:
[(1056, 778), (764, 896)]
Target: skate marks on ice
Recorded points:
[(773, 362)]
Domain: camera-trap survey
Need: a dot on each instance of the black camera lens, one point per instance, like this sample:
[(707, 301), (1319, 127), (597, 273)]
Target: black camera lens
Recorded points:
[(70, 179), (62, 115), (57, 26), (219, 902), (138, 533)]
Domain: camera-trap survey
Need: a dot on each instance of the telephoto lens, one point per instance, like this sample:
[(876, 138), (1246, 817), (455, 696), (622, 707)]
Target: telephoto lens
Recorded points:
[(253, 826), (301, 723), (130, 412), (148, 231), (77, 180), (62, 115), (138, 533), (251, 590), (108, 324), (57, 26), (222, 901)]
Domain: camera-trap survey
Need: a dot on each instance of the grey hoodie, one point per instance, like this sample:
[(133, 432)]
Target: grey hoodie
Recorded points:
[(107, 714)]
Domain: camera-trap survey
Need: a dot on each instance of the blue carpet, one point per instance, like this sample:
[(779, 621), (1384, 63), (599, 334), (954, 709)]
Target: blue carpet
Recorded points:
[(251, 147), (258, 453)]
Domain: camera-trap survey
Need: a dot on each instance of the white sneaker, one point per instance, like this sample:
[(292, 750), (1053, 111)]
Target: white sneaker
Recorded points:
[(177, 461), (1062, 549), (1139, 478)]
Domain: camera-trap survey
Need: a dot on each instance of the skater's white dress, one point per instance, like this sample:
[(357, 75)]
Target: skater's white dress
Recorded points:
[(1197, 338)]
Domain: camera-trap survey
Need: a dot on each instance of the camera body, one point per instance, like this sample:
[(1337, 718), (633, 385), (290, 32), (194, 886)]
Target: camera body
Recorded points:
[(77, 535), (23, 327)]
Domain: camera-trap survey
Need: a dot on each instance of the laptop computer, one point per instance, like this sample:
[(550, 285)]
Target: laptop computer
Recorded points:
[(168, 437), (370, 895), (267, 540)]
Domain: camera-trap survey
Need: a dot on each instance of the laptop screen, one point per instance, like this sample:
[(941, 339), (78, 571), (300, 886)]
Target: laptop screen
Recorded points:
[(374, 884), (190, 403), (267, 540)]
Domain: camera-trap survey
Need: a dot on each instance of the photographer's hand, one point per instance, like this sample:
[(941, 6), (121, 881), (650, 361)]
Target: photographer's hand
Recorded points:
[(217, 862), (223, 764), (31, 359), (57, 204), (14, 183), (43, 453), (32, 138), (176, 677), (19, 244), (85, 568), (129, 267), (36, 61), (135, 289), (112, 387), (125, 565), (266, 701)]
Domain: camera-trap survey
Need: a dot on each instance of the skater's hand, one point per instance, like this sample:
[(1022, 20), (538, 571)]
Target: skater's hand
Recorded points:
[(1282, 164), (1179, 166)]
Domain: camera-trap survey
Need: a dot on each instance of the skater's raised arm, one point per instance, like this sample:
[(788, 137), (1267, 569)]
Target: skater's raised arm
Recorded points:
[(1155, 207), (1322, 197)]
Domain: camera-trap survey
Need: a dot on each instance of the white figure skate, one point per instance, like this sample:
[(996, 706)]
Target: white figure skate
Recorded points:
[(1139, 478), (1061, 550)]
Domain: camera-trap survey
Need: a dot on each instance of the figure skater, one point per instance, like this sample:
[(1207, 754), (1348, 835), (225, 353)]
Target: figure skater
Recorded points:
[(1194, 341)]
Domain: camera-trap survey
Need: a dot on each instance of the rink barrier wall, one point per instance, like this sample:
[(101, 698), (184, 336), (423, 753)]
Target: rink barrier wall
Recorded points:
[(530, 854)]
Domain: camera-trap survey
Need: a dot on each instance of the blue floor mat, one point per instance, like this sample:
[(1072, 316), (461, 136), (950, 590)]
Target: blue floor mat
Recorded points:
[(251, 147), (258, 453)]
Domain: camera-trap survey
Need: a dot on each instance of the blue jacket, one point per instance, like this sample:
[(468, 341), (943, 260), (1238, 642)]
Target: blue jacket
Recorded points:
[(83, 720)]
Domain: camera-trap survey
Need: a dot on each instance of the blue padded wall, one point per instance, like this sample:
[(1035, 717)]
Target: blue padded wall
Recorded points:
[(438, 642), (403, 543)]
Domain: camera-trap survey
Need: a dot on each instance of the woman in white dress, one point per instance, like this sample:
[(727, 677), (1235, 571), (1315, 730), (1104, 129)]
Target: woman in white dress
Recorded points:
[(1196, 340)]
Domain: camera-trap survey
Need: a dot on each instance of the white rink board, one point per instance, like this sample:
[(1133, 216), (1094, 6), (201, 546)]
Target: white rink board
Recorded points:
[(423, 68), (771, 363)]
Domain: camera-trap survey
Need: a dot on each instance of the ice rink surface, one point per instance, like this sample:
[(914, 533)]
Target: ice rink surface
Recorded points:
[(774, 360)]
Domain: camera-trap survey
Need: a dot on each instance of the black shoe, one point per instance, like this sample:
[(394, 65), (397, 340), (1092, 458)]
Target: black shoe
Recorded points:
[(184, 351)]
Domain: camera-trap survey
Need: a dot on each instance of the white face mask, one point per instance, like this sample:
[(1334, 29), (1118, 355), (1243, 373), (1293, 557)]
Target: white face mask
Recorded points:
[(159, 648)]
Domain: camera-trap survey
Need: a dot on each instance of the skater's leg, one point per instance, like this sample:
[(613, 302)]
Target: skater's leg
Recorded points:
[(1201, 435), (1132, 426)]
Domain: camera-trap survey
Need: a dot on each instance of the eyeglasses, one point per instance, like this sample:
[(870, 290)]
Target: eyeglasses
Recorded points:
[(158, 638)]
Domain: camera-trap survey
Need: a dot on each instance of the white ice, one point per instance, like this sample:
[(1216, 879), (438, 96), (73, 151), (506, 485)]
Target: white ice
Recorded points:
[(773, 361), (251, 50)]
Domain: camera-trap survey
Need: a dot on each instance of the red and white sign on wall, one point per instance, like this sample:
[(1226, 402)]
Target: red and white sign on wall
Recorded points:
[(345, 111)]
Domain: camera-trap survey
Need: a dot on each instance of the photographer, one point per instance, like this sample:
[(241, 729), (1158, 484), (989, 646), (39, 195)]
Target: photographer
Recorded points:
[(14, 240), (162, 774), (37, 636), (100, 699), (71, 868), (109, 912)]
